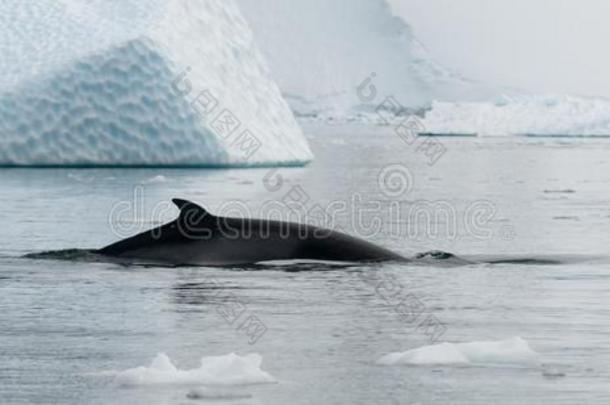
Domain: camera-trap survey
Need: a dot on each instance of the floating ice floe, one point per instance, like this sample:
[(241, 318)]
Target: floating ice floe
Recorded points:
[(155, 179), (514, 351), (230, 369)]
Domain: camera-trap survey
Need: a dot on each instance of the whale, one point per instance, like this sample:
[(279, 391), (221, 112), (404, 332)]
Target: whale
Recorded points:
[(199, 238)]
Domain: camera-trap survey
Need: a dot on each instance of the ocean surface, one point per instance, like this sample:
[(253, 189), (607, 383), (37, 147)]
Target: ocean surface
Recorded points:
[(68, 328)]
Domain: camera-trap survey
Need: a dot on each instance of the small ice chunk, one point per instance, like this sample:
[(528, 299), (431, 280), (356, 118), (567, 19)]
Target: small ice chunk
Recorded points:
[(230, 369), (443, 353), (509, 351), (156, 179)]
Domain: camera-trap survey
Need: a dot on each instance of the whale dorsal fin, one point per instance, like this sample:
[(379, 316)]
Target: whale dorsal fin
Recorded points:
[(189, 206), (192, 216)]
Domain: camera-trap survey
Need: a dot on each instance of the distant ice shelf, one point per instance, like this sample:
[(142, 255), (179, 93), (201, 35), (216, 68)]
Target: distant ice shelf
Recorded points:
[(138, 83), (533, 116)]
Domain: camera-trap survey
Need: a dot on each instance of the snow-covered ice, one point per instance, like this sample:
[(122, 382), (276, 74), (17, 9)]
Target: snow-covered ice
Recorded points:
[(340, 60), (126, 82), (523, 115), (230, 369), (515, 351)]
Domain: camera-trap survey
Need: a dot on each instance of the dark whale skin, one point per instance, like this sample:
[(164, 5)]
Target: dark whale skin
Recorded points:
[(198, 238)]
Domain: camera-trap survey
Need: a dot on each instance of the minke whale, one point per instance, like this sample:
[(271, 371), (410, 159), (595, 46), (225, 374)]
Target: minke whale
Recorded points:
[(199, 238)]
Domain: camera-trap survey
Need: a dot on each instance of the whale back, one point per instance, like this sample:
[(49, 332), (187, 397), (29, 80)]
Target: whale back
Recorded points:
[(198, 237), (193, 223)]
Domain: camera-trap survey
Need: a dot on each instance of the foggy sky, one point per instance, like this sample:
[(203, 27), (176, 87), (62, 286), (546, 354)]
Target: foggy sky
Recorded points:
[(556, 46)]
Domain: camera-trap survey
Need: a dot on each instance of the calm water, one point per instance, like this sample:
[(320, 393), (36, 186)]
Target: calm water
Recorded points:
[(64, 325)]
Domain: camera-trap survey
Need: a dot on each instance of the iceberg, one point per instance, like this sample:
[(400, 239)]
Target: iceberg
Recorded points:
[(528, 115), (138, 83), (360, 60), (340, 59)]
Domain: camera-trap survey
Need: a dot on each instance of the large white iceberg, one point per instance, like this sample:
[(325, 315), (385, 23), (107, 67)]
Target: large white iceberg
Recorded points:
[(138, 82), (342, 58)]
